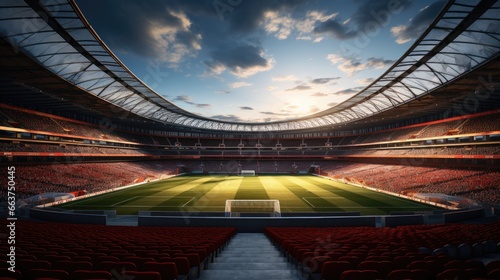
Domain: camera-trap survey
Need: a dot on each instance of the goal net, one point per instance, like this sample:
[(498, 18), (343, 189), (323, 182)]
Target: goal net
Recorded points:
[(253, 207), (247, 172)]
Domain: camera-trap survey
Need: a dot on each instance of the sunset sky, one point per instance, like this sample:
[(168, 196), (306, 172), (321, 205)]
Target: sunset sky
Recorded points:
[(258, 60)]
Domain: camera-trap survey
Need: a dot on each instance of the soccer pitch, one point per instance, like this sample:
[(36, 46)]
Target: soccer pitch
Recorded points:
[(209, 194)]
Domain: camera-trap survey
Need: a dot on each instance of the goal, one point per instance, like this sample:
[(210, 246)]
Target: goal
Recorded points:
[(247, 173), (252, 207)]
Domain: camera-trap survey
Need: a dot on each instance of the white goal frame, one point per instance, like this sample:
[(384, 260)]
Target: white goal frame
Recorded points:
[(247, 172), (234, 207)]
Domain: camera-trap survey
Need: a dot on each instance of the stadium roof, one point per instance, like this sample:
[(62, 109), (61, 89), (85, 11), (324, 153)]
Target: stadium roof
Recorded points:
[(55, 34)]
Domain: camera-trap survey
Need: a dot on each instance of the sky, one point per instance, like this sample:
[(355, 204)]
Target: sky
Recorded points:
[(259, 60)]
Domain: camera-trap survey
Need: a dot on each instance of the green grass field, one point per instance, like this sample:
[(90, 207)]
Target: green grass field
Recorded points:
[(209, 194)]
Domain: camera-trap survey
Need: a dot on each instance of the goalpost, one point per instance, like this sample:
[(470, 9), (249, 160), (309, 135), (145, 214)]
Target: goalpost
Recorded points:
[(252, 207), (247, 173)]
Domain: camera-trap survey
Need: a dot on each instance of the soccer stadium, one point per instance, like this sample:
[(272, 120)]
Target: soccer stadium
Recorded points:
[(298, 140)]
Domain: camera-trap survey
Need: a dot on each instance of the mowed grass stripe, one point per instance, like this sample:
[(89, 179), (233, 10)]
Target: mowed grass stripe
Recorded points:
[(209, 193), (276, 190), (361, 196), (251, 188), (191, 190), (369, 198), (301, 189), (171, 197), (121, 195), (215, 198)]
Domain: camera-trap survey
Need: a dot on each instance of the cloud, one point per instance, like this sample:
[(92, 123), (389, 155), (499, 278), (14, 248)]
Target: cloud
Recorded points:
[(241, 60), (365, 81), (239, 84), (160, 33), (187, 99), (319, 94), (271, 88), (346, 65), (369, 15), (348, 91), (321, 81), (274, 113), (313, 109), (223, 91), (305, 26), (335, 29), (279, 19), (280, 26), (284, 78), (353, 65), (183, 98), (305, 38), (203, 105), (298, 88), (246, 108), (378, 63), (318, 39), (405, 33), (227, 118), (249, 16), (377, 13)]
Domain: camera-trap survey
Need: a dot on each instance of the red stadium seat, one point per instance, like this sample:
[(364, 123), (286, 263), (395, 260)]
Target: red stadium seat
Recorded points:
[(90, 274), (182, 264), (194, 261), (70, 266), (141, 275), (407, 274), (383, 267), (452, 274), (361, 275), (26, 265), (492, 265), (48, 274), (116, 266), (138, 261), (333, 269), (7, 274), (494, 274), (167, 270)]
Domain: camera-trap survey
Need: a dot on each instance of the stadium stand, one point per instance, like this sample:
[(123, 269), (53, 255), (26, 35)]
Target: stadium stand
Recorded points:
[(55, 250), (479, 185), (75, 119), (394, 253), (92, 177)]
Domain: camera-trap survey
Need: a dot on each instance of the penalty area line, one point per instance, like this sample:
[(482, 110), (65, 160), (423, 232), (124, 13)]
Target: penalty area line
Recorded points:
[(188, 201), (123, 201), (307, 201)]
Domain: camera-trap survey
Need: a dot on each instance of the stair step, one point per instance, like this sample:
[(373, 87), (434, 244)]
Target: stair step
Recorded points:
[(249, 275), (248, 266), (250, 256), (244, 254), (255, 259)]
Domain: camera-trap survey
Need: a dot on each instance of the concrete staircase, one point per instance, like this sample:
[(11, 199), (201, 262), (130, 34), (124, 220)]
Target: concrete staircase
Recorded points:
[(250, 256)]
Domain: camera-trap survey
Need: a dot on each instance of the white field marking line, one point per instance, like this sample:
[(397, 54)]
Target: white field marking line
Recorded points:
[(109, 193), (123, 201), (91, 198), (162, 196), (188, 201), (221, 207), (132, 206), (326, 197), (308, 202)]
